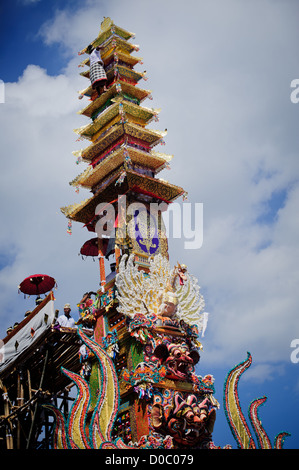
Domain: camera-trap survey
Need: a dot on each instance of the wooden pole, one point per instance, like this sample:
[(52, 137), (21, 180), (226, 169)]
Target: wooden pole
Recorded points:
[(20, 400), (117, 257), (36, 405), (29, 388), (101, 262), (8, 430)]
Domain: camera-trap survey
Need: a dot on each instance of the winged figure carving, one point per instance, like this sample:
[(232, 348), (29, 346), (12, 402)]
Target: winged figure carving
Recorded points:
[(144, 293)]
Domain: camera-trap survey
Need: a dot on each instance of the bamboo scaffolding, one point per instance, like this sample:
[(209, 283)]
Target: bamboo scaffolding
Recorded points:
[(35, 379)]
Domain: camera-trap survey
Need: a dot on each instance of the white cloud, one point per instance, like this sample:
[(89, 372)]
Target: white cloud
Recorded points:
[(68, 27), (37, 122), (221, 73), (263, 372), (41, 95)]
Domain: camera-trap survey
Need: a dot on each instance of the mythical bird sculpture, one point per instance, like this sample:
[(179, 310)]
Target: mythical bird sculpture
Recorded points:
[(159, 293)]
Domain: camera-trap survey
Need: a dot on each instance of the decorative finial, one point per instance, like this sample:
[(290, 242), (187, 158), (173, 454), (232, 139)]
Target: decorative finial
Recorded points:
[(106, 23)]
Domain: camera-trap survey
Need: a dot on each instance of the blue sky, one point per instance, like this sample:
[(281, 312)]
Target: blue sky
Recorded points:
[(221, 73)]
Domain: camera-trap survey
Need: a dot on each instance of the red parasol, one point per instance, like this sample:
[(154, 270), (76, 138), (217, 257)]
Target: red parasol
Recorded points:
[(90, 248), (37, 284)]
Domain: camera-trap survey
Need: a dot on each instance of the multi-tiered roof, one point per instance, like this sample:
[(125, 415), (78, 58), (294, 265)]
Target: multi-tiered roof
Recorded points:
[(120, 156)]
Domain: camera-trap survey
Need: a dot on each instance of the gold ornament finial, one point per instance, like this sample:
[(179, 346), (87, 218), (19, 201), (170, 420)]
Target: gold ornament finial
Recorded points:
[(106, 23)]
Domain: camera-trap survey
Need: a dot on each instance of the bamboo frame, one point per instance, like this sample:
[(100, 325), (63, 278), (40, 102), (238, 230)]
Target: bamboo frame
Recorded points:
[(37, 379)]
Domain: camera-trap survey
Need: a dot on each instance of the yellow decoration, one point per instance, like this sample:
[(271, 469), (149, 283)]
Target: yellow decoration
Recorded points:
[(106, 23)]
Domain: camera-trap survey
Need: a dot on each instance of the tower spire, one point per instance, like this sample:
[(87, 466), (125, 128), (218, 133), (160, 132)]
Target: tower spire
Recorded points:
[(120, 154), (148, 315)]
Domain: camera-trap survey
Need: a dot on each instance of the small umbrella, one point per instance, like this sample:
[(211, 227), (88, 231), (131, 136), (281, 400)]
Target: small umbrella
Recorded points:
[(37, 284), (90, 248)]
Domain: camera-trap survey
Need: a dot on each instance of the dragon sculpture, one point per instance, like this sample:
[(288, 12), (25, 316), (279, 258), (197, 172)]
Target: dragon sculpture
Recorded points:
[(74, 432)]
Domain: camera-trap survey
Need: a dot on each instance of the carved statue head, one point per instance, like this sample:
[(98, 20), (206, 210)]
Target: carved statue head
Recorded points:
[(178, 359), (188, 421), (169, 304)]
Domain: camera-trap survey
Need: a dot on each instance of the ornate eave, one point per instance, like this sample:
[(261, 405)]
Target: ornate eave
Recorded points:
[(113, 28), (132, 90), (123, 56), (117, 44), (116, 132), (92, 176), (138, 114), (110, 29), (124, 74), (123, 71), (109, 190), (113, 43), (151, 136), (154, 186)]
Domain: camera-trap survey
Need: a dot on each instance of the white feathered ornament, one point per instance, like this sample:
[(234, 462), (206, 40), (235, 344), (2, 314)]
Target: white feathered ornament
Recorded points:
[(142, 293)]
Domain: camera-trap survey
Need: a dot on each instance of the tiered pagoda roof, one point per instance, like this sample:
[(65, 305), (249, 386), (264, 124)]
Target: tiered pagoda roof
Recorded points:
[(120, 154)]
